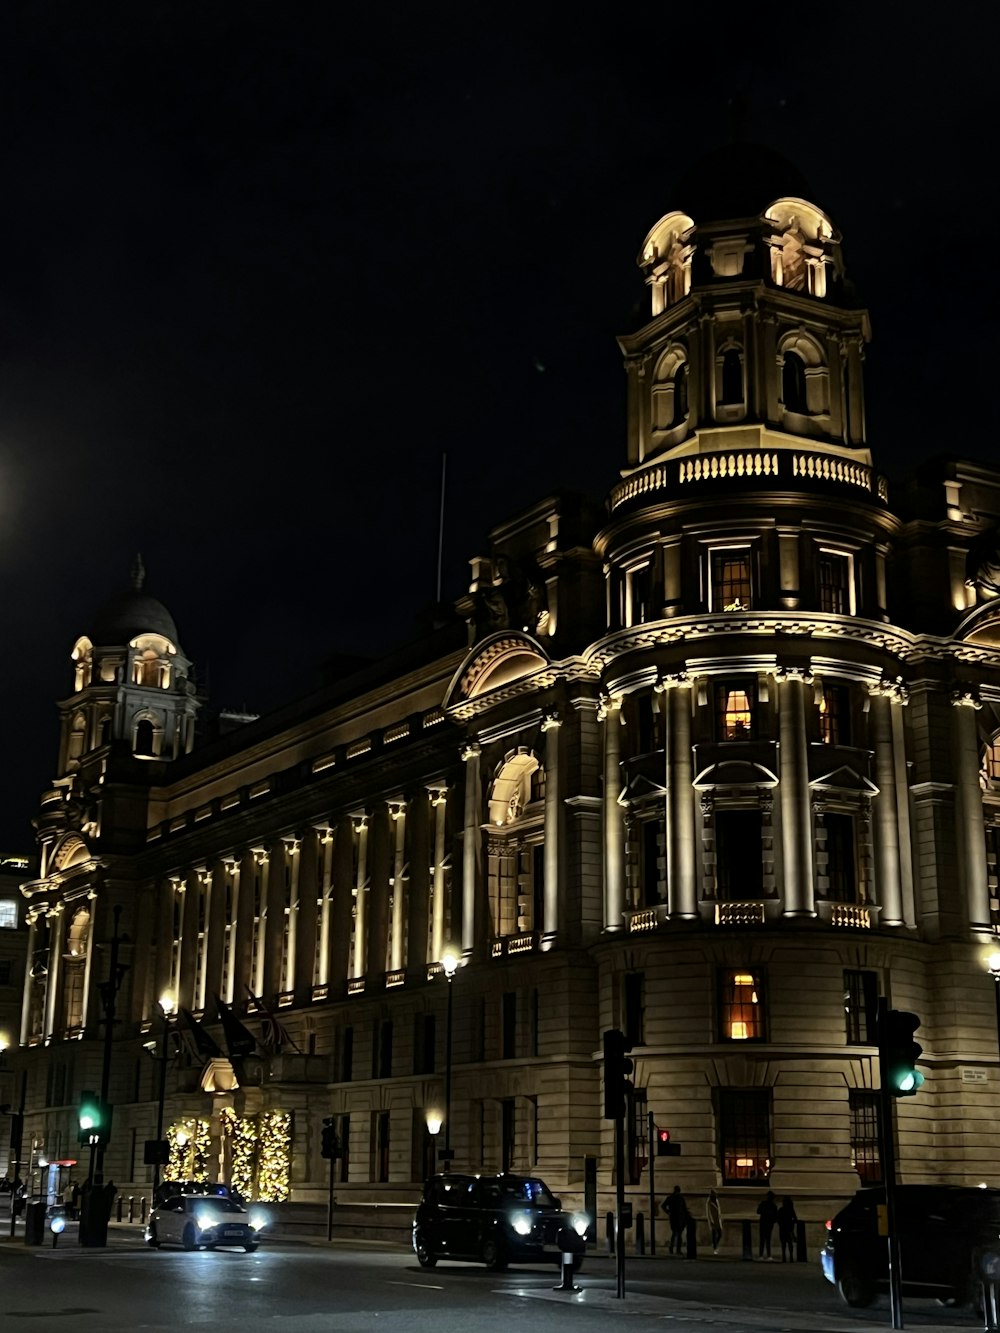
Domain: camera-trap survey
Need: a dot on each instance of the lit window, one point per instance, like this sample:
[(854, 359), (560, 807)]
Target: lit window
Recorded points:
[(836, 583), (735, 709), (741, 1010), (834, 715), (8, 915), (745, 1136), (731, 585), (865, 1137), (991, 762)]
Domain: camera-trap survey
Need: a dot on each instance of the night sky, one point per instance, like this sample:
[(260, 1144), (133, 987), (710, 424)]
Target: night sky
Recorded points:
[(261, 265)]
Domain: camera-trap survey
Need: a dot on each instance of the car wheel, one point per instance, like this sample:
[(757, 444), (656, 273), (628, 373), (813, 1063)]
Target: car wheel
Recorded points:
[(855, 1290), (251, 1247), (188, 1239), (494, 1256), (153, 1240), (426, 1257)]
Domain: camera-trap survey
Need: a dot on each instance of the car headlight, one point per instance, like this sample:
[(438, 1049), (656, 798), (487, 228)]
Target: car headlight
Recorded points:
[(258, 1220), (580, 1223), (205, 1221), (522, 1224)]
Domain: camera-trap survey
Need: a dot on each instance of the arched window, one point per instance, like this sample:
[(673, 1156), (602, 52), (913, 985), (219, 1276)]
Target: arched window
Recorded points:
[(144, 737), (670, 399), (105, 731), (77, 736), (732, 376), (793, 383), (680, 395)]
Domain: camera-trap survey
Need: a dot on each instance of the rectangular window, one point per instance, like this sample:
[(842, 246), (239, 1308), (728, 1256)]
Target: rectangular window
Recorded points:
[(382, 1064), (347, 1056), (993, 873), (508, 1134), (860, 1007), (636, 1129), (508, 1026), (638, 595), (834, 715), (381, 1172), (423, 1044), (865, 1156), (634, 988), (735, 709), (8, 915), (745, 1136), (6, 968), (730, 579), (479, 1035), (538, 886), (535, 1003), (651, 855), (842, 866), (739, 866), (835, 570), (741, 1006)]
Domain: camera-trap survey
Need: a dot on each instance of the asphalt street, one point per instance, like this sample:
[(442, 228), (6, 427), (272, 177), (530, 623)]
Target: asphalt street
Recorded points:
[(360, 1287)]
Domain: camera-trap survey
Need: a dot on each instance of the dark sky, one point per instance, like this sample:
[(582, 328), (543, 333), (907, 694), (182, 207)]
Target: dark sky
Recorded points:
[(261, 265)]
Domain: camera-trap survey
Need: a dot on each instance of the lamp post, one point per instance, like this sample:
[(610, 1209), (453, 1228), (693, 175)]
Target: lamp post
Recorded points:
[(449, 964), (166, 1009), (434, 1122), (993, 963)]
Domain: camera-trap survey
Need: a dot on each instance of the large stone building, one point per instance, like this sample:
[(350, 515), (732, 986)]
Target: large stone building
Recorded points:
[(714, 763)]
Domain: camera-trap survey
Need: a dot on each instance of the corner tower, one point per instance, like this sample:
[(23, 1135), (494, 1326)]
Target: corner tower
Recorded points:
[(755, 341)]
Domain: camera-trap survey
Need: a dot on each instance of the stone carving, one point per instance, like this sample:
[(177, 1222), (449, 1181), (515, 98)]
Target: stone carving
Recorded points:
[(982, 564), (513, 598)]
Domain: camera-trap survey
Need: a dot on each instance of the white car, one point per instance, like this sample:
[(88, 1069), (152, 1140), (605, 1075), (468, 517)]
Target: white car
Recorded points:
[(203, 1221)]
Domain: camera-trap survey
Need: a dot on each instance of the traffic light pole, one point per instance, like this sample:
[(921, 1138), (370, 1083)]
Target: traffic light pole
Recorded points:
[(619, 1205), (650, 1141), (888, 1152)]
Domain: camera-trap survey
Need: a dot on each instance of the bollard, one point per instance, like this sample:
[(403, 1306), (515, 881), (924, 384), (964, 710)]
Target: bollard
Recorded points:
[(611, 1233), (800, 1243), (640, 1234), (120, 1201), (142, 1210), (747, 1238), (692, 1238), (570, 1245), (131, 1207)]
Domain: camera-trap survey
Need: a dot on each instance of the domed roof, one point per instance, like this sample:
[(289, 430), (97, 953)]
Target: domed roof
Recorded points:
[(738, 180), (133, 612)]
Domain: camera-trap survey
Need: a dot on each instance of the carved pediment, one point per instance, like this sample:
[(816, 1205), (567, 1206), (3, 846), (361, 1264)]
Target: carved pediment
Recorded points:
[(735, 773), (495, 663), (845, 778)]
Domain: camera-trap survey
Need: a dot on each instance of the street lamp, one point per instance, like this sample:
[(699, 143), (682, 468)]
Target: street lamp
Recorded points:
[(166, 1009), (449, 965), (993, 963)]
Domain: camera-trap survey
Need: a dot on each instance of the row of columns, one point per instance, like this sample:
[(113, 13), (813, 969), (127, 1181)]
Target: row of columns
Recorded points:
[(894, 862)]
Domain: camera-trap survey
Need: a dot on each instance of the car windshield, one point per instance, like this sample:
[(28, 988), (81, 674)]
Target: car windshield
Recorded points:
[(217, 1205), (522, 1190)]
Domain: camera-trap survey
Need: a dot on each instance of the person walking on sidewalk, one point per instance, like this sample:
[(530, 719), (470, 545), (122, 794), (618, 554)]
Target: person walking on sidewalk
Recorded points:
[(786, 1228), (767, 1211), (676, 1209), (713, 1213)]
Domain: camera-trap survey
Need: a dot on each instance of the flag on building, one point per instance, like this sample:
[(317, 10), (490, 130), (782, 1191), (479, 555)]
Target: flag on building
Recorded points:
[(193, 1037), (274, 1034), (239, 1040)]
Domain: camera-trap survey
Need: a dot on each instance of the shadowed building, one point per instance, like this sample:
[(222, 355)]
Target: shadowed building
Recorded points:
[(715, 763)]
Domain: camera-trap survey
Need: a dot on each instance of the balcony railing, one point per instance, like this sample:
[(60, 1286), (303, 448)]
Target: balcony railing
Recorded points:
[(851, 916), (514, 944), (788, 467), (739, 914)]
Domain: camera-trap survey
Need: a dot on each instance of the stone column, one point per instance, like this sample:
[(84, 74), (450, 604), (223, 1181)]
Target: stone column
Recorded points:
[(439, 801), (901, 700), (552, 727), (614, 826), (306, 915), (290, 925), (56, 924), (231, 912), (325, 838), (359, 961), (215, 981), (164, 938), (275, 869), (796, 815), (770, 368), (189, 941), (88, 966), (418, 885), (341, 896), (682, 880), (242, 970), (378, 893), (969, 829), (888, 888), (472, 848), (397, 943), (28, 982)]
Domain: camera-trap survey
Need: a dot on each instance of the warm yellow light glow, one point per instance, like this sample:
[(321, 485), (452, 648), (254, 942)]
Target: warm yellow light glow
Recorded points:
[(3, 1042), (743, 979), (993, 963), (434, 1122), (167, 1002), (738, 1031), (449, 961), (182, 1138)]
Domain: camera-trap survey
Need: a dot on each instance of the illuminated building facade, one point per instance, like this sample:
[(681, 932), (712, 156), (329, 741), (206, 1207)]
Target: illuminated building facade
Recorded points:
[(717, 764)]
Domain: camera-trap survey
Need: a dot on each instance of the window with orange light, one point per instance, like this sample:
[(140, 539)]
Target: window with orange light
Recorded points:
[(735, 706), (745, 1136), (741, 1005)]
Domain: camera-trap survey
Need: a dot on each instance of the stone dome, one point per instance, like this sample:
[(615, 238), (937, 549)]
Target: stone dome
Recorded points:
[(738, 180), (133, 612)]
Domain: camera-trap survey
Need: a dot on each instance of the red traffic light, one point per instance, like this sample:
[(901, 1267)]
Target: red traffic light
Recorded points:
[(664, 1135)]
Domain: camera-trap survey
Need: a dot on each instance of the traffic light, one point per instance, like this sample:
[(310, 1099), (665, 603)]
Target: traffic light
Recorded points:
[(617, 1067), (664, 1147), (94, 1120), (329, 1146), (899, 1053)]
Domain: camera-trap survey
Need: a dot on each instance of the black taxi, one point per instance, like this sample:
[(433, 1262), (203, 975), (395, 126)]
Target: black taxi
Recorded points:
[(494, 1220)]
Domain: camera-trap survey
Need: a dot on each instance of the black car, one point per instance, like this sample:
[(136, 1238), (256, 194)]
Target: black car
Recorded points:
[(493, 1220), (941, 1229)]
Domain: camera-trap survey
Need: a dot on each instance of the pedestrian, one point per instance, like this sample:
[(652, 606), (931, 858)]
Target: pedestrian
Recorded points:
[(74, 1201), (786, 1228), (676, 1209), (767, 1211), (713, 1214)]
